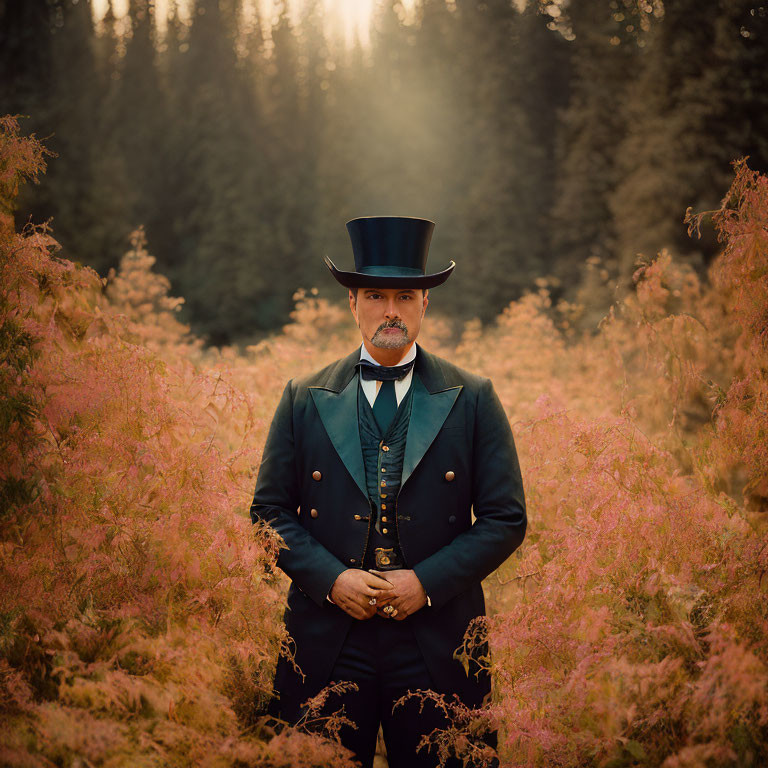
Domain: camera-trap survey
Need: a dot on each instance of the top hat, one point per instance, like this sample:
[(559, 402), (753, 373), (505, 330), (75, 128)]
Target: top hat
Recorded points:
[(390, 252)]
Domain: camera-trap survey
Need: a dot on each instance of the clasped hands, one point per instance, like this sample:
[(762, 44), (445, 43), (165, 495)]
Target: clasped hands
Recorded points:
[(354, 589)]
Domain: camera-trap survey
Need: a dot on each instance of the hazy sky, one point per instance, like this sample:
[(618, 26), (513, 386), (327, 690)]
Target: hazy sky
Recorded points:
[(351, 15)]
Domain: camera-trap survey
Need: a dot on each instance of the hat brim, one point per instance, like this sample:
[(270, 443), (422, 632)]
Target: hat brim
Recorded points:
[(367, 280)]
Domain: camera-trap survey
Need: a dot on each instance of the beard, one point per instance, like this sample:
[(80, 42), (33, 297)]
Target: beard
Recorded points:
[(384, 340)]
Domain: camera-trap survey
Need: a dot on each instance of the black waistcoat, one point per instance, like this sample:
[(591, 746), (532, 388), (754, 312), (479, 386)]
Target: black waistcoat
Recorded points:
[(383, 459)]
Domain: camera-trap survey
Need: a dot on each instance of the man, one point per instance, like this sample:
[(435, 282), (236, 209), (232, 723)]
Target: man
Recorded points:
[(370, 473)]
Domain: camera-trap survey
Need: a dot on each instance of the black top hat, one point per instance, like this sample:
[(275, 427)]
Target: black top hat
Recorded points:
[(390, 252)]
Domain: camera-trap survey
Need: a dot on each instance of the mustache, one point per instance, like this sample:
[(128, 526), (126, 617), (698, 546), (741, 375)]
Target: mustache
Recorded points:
[(393, 324)]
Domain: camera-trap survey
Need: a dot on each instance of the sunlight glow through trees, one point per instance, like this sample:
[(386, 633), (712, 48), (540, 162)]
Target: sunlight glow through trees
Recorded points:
[(354, 16)]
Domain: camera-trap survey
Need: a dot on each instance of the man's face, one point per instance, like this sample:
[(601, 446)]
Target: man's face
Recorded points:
[(389, 318)]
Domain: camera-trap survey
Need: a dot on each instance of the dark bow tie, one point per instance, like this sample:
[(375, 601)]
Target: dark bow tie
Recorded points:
[(384, 372)]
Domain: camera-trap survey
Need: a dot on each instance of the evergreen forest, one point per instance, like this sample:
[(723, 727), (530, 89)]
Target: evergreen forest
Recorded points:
[(556, 145)]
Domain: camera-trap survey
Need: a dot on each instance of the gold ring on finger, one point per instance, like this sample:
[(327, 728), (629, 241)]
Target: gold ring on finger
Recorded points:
[(393, 614), (372, 601), (388, 609)]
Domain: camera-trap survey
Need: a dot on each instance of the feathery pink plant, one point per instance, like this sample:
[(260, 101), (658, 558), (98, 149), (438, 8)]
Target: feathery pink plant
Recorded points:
[(140, 614)]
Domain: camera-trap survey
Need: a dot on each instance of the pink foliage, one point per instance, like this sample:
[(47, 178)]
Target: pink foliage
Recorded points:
[(140, 613)]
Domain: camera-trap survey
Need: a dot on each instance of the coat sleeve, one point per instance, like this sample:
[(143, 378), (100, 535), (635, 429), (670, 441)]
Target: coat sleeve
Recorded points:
[(498, 503), (275, 501)]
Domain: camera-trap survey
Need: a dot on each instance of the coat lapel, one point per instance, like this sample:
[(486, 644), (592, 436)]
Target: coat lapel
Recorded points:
[(433, 398), (430, 410), (336, 404)]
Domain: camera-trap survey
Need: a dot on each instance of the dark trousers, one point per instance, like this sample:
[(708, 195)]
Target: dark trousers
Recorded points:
[(383, 658)]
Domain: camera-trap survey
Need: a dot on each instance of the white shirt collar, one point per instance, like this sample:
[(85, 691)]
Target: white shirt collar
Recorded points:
[(366, 355)]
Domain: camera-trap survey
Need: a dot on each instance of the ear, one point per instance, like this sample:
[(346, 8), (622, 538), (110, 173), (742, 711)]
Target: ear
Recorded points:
[(425, 301), (353, 303)]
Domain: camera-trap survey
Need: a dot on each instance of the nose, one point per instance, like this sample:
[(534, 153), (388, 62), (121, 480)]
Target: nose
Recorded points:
[(391, 309)]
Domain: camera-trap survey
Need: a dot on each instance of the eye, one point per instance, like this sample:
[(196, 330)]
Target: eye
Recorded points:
[(406, 296), (374, 295)]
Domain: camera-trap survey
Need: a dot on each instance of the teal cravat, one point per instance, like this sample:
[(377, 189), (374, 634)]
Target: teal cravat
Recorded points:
[(385, 405)]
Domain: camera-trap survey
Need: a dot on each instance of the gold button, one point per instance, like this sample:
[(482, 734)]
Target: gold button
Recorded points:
[(384, 519), (383, 483), (383, 530), (385, 560), (383, 506), (313, 512), (449, 475), (384, 447), (316, 475), (352, 560), (383, 469), (357, 517), (383, 495)]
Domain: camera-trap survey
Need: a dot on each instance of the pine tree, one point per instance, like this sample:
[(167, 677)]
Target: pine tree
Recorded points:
[(699, 102), (27, 71), (604, 55), (342, 159), (71, 115), (543, 93), (26, 59), (140, 124), (110, 196), (498, 159), (213, 160)]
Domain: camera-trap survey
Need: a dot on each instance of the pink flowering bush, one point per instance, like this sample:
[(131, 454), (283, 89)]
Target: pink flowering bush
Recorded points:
[(630, 628), (140, 613)]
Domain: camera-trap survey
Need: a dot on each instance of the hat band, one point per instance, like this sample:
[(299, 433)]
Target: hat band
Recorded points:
[(390, 271)]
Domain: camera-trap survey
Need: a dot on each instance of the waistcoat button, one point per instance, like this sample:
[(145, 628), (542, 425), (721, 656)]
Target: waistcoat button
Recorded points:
[(352, 560), (452, 519), (384, 447), (357, 517), (449, 475), (313, 512), (316, 475), (384, 530)]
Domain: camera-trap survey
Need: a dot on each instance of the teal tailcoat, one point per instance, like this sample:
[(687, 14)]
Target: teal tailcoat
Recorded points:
[(460, 458)]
